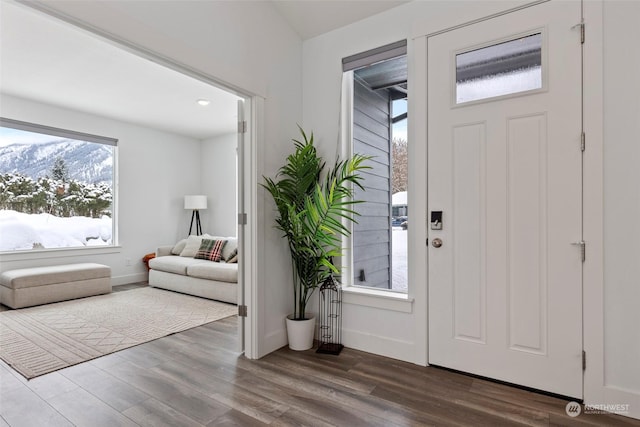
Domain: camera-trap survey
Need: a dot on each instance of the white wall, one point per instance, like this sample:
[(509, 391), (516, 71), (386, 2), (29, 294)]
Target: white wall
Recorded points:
[(622, 197), (218, 165), (249, 46), (154, 171)]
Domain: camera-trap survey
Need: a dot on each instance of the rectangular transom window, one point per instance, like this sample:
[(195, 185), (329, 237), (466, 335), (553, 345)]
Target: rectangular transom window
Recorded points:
[(56, 188), (501, 69)]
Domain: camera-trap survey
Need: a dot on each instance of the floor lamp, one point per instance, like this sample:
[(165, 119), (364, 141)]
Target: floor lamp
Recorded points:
[(195, 204)]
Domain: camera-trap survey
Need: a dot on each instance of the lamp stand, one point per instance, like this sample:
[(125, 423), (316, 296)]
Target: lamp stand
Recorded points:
[(195, 214)]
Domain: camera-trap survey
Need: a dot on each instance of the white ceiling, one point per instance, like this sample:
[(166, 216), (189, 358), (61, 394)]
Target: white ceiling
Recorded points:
[(311, 18), (46, 60), (50, 61)]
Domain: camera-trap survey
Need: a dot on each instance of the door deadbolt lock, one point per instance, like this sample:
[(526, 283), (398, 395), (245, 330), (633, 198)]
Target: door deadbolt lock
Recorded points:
[(436, 243), (436, 220)]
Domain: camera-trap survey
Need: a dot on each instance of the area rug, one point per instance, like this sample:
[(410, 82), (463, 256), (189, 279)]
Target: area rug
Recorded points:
[(38, 340)]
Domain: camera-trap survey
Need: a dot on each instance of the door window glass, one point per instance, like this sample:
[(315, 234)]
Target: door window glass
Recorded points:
[(500, 69)]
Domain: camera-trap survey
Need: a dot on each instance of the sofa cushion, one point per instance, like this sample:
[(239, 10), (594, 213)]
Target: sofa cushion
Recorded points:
[(193, 244), (210, 250), (179, 247), (214, 271), (173, 264), (42, 276), (230, 248)]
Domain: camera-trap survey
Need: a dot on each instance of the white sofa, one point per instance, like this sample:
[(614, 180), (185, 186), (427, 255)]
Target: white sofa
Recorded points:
[(174, 268)]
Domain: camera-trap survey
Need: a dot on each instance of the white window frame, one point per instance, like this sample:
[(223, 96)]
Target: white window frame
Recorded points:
[(387, 299)]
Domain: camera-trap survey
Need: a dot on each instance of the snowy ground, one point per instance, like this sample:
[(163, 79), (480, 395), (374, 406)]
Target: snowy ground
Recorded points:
[(20, 231), (399, 259)]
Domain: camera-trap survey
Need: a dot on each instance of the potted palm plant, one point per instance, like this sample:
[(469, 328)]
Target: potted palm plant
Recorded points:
[(313, 207)]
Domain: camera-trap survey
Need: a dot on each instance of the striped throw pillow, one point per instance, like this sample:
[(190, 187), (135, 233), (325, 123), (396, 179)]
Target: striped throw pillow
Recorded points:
[(210, 250)]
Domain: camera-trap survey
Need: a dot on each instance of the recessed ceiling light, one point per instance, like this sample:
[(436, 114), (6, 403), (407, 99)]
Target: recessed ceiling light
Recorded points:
[(203, 102)]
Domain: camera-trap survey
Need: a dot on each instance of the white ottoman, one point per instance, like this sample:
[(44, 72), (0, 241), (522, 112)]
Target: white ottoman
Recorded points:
[(42, 285)]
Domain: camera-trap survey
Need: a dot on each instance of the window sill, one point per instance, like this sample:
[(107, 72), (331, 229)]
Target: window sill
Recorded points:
[(377, 299), (58, 253)]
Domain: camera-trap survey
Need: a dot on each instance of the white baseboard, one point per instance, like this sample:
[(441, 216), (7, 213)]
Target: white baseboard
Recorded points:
[(129, 278), (272, 341), (383, 346)]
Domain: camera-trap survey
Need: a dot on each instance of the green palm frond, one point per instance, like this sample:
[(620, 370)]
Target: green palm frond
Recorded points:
[(314, 212)]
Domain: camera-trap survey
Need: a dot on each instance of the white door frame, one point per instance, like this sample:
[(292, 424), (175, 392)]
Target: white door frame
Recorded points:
[(593, 221), (596, 390), (254, 106), (253, 156)]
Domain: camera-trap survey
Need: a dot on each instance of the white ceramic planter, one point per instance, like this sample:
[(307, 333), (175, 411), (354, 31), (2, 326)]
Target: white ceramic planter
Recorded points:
[(300, 333)]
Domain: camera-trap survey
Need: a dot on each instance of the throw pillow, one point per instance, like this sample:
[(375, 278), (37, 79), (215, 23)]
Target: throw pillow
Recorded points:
[(230, 248), (210, 250), (193, 244), (233, 257), (179, 247)]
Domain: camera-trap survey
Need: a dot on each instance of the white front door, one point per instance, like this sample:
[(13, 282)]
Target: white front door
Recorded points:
[(505, 170)]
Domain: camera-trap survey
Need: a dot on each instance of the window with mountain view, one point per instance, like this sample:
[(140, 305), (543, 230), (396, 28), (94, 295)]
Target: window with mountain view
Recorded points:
[(56, 188)]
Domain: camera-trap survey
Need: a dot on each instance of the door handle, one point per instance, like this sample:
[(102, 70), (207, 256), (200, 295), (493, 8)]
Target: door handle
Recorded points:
[(437, 242)]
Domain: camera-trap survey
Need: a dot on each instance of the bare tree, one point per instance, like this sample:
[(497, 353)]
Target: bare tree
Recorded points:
[(400, 173)]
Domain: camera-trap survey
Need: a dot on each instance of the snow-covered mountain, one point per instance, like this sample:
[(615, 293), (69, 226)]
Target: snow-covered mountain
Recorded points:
[(86, 162)]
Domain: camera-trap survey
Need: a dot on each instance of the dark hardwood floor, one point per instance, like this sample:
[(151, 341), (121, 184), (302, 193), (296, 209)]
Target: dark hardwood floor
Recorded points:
[(196, 378)]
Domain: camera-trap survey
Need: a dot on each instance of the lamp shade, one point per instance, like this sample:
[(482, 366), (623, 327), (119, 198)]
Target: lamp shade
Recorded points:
[(195, 202)]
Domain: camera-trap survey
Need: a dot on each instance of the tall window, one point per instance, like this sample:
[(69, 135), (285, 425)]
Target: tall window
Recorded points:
[(56, 188), (379, 129)]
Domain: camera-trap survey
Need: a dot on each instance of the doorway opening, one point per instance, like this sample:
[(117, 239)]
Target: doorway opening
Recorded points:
[(194, 116)]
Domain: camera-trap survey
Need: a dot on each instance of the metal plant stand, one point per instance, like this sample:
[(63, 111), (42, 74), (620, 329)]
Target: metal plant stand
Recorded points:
[(330, 317)]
